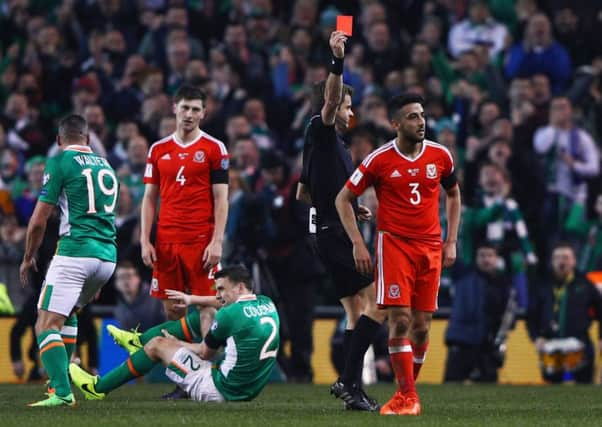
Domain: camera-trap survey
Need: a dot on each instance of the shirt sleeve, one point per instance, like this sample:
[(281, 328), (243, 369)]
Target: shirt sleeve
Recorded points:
[(52, 182), (151, 173), (219, 164), (448, 176), (363, 177), (220, 330)]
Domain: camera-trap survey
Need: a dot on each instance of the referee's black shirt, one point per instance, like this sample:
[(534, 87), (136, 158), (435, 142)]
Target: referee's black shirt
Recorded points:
[(326, 167)]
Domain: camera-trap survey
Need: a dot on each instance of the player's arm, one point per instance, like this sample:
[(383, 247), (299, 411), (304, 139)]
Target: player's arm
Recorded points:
[(185, 300), (333, 91), (213, 253), (344, 206), (303, 193), (453, 208), (34, 237), (147, 216)]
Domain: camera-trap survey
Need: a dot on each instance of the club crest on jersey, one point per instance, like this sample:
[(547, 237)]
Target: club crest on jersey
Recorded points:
[(394, 291), (431, 170), (199, 156), (45, 178), (155, 284)]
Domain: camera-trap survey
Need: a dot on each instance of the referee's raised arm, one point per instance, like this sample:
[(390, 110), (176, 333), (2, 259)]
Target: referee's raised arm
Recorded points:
[(333, 90)]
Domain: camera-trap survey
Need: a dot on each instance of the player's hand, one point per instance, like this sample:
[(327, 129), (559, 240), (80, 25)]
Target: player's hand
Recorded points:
[(364, 213), (449, 253), (168, 335), (337, 43), (149, 255), (26, 265), (212, 255), (363, 262), (179, 296)]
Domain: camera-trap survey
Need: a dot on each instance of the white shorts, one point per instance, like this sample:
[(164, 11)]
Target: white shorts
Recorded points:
[(73, 282), (193, 375)]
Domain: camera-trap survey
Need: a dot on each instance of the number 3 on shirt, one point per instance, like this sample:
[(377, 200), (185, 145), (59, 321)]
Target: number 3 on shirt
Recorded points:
[(264, 350), (180, 176), (415, 199)]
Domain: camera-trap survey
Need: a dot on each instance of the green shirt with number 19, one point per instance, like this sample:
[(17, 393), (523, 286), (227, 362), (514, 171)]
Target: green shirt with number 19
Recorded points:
[(85, 188)]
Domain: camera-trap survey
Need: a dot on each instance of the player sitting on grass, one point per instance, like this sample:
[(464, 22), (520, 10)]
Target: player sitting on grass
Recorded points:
[(247, 326)]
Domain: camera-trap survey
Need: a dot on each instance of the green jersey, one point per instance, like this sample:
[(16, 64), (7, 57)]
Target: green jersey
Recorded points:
[(85, 187), (249, 329)]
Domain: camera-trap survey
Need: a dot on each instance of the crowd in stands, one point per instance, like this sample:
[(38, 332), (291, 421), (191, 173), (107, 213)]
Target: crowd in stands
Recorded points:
[(512, 87)]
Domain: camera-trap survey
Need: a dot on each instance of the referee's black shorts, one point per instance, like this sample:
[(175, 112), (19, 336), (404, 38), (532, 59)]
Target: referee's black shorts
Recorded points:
[(336, 252)]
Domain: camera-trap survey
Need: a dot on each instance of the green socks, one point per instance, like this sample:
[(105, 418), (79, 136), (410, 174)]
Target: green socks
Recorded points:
[(186, 328), (69, 335), (54, 359), (136, 365)]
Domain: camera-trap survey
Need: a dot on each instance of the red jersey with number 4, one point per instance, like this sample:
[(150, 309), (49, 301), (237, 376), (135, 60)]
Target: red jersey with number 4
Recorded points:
[(183, 174), (407, 189)]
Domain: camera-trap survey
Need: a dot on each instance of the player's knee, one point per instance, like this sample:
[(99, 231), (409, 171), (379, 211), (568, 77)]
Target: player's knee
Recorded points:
[(399, 323), (47, 322), (420, 334)]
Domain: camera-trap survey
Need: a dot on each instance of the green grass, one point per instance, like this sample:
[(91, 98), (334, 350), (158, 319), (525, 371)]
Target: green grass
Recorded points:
[(301, 405)]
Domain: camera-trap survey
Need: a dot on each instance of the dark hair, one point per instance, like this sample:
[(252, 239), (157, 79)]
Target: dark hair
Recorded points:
[(236, 274), (398, 102), (73, 128), (317, 96), (189, 92), (563, 244)]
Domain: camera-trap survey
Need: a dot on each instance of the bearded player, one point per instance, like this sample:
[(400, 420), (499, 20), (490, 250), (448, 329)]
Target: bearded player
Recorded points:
[(406, 174)]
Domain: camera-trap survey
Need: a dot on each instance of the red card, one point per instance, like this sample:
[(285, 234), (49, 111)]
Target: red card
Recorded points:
[(345, 24)]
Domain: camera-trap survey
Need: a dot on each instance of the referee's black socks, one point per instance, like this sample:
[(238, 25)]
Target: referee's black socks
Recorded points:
[(361, 338)]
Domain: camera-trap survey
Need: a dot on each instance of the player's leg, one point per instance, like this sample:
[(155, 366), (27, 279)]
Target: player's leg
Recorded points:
[(167, 274), (419, 337), (189, 372), (188, 328), (64, 282), (138, 364), (424, 301), (396, 273), (69, 335)]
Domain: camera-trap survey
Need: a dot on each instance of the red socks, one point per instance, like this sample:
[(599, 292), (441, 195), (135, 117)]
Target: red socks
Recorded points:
[(419, 355), (400, 353)]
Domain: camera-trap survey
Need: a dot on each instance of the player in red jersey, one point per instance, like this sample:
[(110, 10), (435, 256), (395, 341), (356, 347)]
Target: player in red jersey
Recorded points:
[(189, 172), (406, 174)]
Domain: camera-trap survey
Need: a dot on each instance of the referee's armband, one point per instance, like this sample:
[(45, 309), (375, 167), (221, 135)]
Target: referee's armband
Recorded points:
[(449, 181)]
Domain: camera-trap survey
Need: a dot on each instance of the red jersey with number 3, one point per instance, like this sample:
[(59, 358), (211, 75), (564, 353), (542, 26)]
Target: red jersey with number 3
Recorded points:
[(183, 174), (407, 189)]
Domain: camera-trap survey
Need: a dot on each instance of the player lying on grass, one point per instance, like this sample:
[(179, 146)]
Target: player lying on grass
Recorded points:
[(247, 326)]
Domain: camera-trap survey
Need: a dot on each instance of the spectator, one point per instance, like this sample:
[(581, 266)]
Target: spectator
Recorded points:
[(569, 157), (135, 309), (479, 303), (478, 28), (559, 320), (539, 53)]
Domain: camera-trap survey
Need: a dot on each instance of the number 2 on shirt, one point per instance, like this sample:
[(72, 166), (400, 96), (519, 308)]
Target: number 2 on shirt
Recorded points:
[(180, 176)]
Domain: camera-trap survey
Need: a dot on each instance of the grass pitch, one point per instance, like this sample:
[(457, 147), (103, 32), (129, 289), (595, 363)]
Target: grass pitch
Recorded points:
[(306, 405)]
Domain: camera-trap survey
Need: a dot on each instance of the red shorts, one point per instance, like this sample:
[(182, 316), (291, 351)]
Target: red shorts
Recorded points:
[(408, 272), (179, 266)]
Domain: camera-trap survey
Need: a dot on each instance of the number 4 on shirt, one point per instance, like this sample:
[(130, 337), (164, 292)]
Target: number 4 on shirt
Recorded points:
[(180, 176)]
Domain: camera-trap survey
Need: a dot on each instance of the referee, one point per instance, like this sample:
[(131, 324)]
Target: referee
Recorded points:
[(326, 167)]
